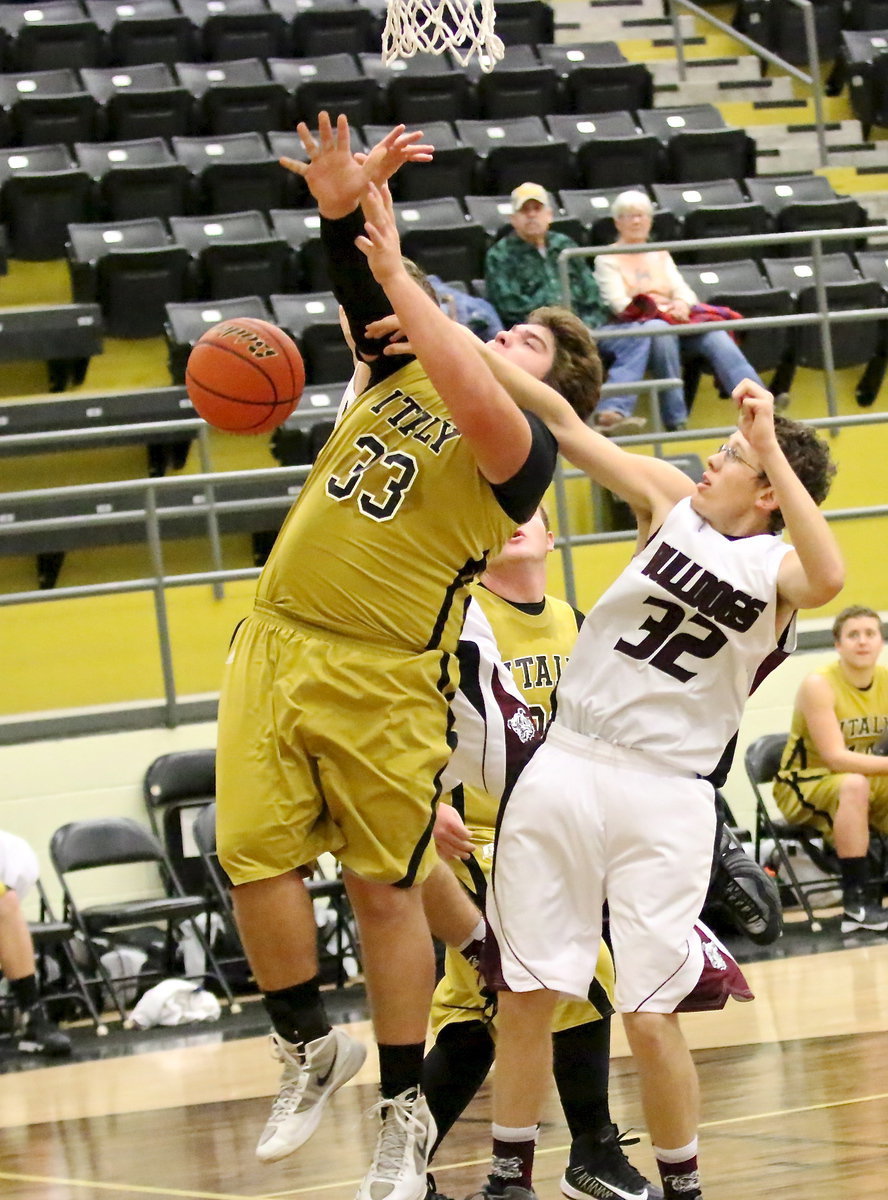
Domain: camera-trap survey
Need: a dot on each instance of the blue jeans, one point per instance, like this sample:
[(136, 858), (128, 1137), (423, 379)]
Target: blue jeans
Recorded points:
[(716, 346), (632, 358)]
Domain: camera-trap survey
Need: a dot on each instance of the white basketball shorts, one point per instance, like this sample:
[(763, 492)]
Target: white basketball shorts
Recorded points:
[(19, 868), (589, 822)]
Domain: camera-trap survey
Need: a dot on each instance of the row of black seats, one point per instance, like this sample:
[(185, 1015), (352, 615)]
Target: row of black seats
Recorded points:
[(253, 93), (779, 24), (104, 32), (862, 63), (43, 187)]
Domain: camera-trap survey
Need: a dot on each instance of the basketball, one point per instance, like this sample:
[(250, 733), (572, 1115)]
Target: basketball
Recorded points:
[(245, 375)]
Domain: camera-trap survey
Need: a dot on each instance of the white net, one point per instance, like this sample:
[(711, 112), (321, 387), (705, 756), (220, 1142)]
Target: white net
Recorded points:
[(464, 27)]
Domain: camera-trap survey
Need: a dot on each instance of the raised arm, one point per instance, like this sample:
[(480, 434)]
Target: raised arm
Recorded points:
[(481, 408), (650, 486), (816, 703), (813, 572)]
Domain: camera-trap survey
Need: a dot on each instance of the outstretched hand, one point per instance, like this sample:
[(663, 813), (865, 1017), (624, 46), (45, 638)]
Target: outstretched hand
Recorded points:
[(335, 176), (756, 417), (380, 241)]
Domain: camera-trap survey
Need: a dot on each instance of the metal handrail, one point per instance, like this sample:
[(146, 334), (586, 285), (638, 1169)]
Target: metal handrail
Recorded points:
[(823, 316), (811, 79)]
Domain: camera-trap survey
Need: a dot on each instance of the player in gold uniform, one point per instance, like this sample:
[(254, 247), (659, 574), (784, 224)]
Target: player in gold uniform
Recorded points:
[(334, 718), (829, 777), (534, 634)]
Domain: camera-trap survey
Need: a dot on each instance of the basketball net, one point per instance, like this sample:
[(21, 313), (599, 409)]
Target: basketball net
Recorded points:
[(464, 27)]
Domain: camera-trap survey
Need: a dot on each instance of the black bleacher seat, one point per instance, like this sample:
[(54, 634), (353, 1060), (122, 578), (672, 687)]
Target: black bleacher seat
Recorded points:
[(331, 27), (866, 14), (333, 82), (841, 213), (97, 413), (237, 29), (666, 122), (591, 207), (857, 50), (48, 106), (739, 284), (112, 519), (512, 151), (236, 96), (449, 251), (716, 208), (233, 172), (132, 270), (566, 57), (605, 86), (426, 87), (786, 30), (710, 154), (301, 230), (142, 100), (135, 179), (296, 441), (873, 264), (776, 191), (854, 343), (869, 93), (187, 322), (235, 254), (525, 21), (519, 86), (578, 128), (58, 33), (64, 336), (41, 192), (152, 31), (312, 319), (618, 161), (452, 172)]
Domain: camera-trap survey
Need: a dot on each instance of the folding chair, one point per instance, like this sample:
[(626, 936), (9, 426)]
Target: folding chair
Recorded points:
[(116, 841), (762, 761), (175, 788)]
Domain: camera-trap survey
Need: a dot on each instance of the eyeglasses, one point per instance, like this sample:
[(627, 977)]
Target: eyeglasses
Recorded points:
[(732, 454)]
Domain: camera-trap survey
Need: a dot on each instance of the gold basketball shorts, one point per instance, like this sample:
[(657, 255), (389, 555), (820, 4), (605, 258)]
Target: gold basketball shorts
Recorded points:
[(810, 799), (329, 744)]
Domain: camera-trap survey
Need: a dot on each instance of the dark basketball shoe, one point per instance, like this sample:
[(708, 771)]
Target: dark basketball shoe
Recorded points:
[(432, 1192), (748, 894), (36, 1034), (512, 1192), (599, 1168), (860, 915)]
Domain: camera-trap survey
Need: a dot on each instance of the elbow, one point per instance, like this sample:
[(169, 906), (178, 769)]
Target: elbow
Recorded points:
[(825, 587)]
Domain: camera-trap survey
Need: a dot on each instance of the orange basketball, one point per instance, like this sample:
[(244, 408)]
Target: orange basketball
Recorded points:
[(245, 375)]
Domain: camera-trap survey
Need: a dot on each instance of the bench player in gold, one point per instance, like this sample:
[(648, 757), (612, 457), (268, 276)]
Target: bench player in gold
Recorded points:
[(334, 719), (533, 634)]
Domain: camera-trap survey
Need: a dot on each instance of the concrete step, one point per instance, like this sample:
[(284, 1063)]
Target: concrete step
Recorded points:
[(702, 91)]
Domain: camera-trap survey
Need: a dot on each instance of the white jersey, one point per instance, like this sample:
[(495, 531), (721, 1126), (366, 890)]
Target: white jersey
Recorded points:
[(667, 657)]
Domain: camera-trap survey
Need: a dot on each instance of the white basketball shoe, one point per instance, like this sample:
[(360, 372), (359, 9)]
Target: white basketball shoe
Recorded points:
[(400, 1161)]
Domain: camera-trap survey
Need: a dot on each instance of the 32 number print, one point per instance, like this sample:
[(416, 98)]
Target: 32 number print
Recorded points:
[(663, 643), (382, 504)]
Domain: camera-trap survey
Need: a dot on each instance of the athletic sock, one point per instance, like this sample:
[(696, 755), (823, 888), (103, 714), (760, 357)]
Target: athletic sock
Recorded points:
[(400, 1068), (855, 879), (512, 1158), (297, 1012), (472, 946), (453, 1071), (24, 992), (581, 1064), (678, 1171)]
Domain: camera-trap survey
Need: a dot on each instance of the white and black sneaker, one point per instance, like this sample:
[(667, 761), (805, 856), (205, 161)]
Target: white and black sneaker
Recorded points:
[(860, 915), (36, 1034), (401, 1158), (602, 1170), (749, 895), (310, 1077)]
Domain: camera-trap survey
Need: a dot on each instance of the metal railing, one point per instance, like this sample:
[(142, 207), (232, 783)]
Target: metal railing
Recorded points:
[(811, 79), (823, 317)]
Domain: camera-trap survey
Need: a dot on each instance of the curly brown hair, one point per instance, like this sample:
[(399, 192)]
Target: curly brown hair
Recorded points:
[(809, 456), (576, 370)]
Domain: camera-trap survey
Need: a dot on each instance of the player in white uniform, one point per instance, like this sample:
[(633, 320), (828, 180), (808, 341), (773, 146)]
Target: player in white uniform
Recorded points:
[(653, 692)]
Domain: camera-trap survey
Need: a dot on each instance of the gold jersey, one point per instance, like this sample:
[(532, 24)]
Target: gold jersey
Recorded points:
[(862, 714), (395, 491)]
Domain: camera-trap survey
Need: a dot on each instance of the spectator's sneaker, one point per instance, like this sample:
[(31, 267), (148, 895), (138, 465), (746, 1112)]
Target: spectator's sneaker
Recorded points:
[(603, 1171), (749, 894), (36, 1034), (860, 915), (401, 1158), (310, 1077), (512, 1192), (620, 427)]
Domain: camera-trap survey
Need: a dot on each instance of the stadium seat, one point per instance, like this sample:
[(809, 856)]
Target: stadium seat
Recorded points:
[(331, 27), (235, 254), (717, 208), (312, 319), (154, 31), (774, 192), (619, 161), (140, 101), (332, 82), (48, 106), (187, 321), (57, 34), (606, 87), (235, 96), (512, 151), (233, 172), (135, 179), (591, 207), (236, 29), (41, 192), (521, 22), (301, 230), (452, 172), (520, 86), (423, 88)]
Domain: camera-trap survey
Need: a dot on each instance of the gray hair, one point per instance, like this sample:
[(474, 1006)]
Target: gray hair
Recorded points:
[(631, 199)]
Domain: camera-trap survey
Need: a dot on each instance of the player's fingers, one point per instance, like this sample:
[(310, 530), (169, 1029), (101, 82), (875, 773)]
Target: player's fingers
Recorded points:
[(294, 165), (325, 129), (307, 139), (343, 133)]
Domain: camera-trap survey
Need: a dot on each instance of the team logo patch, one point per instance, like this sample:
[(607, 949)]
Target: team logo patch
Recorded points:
[(522, 726), (716, 959)]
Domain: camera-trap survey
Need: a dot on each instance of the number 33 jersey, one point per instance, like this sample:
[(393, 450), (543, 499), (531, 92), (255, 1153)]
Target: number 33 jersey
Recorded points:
[(667, 657)]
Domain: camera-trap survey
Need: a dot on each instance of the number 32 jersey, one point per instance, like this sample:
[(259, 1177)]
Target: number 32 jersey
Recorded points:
[(667, 657)]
